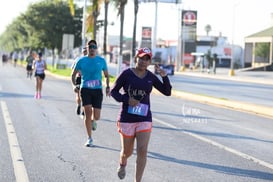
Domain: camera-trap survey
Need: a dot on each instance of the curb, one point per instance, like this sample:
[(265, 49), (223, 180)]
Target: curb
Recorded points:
[(223, 77)]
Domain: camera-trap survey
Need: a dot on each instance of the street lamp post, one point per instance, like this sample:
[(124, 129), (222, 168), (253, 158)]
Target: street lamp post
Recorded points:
[(231, 71), (180, 44), (155, 27)]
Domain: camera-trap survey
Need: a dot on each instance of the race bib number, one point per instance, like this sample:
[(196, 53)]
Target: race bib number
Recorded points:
[(92, 83), (140, 109)]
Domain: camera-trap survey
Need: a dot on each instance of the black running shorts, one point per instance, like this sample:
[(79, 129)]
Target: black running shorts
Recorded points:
[(78, 80), (29, 67), (92, 97), (42, 75)]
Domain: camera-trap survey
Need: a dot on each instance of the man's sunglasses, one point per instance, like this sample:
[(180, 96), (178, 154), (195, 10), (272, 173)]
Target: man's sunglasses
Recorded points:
[(92, 47)]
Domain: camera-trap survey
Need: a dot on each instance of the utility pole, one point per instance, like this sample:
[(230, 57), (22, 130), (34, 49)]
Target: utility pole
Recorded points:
[(231, 71), (155, 26)]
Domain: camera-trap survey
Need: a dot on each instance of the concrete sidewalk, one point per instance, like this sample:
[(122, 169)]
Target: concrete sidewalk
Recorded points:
[(263, 77)]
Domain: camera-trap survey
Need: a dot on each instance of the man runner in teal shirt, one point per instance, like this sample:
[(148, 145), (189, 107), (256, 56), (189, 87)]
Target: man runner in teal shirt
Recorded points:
[(90, 67)]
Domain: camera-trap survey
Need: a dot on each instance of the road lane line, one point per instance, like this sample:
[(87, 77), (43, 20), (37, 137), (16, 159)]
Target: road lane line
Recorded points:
[(231, 150), (16, 155)]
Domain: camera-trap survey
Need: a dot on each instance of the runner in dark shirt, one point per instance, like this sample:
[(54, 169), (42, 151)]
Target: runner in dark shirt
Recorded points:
[(135, 117), (78, 83)]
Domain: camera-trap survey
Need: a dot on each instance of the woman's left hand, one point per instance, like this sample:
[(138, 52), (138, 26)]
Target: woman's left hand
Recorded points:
[(161, 72)]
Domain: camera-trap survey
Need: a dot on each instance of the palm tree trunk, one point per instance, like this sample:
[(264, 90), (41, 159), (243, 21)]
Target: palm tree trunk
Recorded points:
[(122, 11), (106, 3), (135, 26)]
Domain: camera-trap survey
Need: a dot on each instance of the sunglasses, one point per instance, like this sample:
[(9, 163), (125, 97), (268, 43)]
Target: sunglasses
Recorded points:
[(92, 47)]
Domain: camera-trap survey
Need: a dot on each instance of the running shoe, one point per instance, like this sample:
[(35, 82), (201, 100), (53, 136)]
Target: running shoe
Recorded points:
[(78, 110), (89, 142), (39, 96), (94, 125), (121, 171)]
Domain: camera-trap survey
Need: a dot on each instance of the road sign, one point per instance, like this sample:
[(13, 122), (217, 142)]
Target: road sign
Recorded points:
[(68, 41)]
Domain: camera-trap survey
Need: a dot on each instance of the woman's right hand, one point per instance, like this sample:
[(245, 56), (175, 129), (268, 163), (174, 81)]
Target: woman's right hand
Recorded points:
[(160, 71), (132, 102)]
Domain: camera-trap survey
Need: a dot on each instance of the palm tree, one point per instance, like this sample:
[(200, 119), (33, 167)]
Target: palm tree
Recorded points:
[(135, 26), (71, 6), (106, 4), (120, 5), (91, 20), (207, 29)]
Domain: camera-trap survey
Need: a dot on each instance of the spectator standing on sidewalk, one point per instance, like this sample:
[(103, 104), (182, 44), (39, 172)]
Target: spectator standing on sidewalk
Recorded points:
[(91, 68), (135, 117)]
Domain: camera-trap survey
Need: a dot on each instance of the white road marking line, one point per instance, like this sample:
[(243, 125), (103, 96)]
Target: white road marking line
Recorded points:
[(16, 155), (233, 151)]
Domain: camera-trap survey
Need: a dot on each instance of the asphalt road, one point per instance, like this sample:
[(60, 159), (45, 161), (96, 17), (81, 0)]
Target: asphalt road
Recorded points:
[(191, 141), (253, 93), (229, 89)]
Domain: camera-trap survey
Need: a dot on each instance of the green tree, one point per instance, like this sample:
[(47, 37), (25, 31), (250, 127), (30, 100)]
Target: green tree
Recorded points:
[(48, 21), (43, 25), (15, 36)]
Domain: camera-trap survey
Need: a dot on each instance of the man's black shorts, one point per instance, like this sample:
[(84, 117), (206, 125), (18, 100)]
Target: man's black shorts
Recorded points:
[(92, 97)]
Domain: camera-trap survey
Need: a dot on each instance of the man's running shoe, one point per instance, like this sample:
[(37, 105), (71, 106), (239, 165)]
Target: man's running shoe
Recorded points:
[(89, 142), (94, 125), (121, 171), (78, 110)]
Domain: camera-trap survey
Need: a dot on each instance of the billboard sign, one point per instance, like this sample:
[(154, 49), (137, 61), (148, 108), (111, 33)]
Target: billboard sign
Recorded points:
[(146, 38), (68, 41), (147, 33), (189, 18)]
